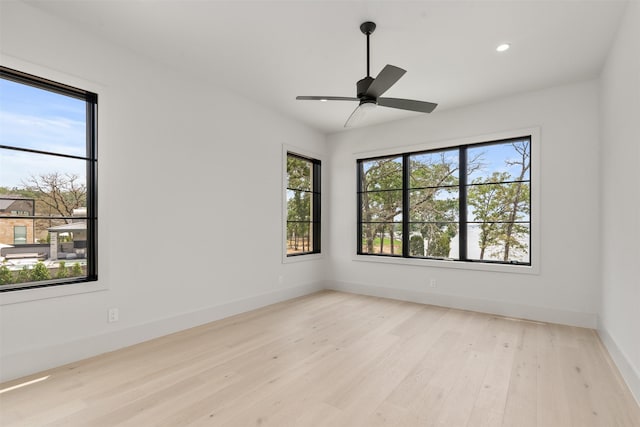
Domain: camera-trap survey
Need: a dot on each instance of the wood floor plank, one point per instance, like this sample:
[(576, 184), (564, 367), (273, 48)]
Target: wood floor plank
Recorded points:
[(553, 407), (338, 359), (521, 405), (489, 404)]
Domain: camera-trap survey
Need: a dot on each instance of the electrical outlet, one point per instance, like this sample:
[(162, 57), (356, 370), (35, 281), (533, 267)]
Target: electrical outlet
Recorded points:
[(114, 315), (433, 283)]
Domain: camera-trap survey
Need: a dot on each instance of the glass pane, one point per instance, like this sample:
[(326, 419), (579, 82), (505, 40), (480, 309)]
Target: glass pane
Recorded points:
[(299, 173), (30, 251), (382, 206), (57, 184), (499, 242), (16, 205), (434, 169), (433, 239), (381, 174), (15, 231), (434, 204), (508, 161), (299, 205), (499, 202), (299, 237), (382, 238), (42, 120)]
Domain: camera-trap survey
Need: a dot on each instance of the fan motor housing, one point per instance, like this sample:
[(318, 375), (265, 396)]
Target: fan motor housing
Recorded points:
[(363, 85)]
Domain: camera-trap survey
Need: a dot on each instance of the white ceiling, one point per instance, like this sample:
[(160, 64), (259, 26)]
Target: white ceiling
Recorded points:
[(271, 51)]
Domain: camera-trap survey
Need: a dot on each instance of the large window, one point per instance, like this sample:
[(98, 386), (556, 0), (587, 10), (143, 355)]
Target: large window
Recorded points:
[(303, 205), (47, 182), (466, 203)]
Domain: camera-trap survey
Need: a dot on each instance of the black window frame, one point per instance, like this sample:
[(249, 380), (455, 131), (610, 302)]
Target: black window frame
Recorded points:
[(316, 172), (463, 185), (91, 159)]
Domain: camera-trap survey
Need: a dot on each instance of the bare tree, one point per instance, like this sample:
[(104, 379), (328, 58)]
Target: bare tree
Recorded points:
[(57, 193)]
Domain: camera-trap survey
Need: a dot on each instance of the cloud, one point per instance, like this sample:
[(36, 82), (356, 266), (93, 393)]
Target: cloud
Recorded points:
[(53, 134)]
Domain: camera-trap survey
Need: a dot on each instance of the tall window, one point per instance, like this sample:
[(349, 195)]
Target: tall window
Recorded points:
[(466, 203), (48, 170), (303, 205)]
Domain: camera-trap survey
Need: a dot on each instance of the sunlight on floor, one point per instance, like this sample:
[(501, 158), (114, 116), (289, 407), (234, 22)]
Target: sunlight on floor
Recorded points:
[(24, 384)]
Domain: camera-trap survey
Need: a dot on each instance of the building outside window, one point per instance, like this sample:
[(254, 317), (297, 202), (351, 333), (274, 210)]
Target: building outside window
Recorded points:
[(302, 205), (48, 169), (467, 203)]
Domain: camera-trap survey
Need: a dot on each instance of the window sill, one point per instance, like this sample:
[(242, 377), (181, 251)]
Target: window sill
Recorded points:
[(460, 265), (301, 258), (26, 295)]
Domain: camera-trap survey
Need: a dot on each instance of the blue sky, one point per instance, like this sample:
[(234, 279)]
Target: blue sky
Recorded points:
[(491, 158), (42, 120), (494, 158)]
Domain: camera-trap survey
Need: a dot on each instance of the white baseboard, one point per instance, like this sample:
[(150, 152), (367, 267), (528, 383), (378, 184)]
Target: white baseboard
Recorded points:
[(17, 365), (629, 373), (540, 314), (26, 363)]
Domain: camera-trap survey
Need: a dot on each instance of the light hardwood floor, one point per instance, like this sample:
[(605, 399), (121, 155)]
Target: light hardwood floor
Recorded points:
[(337, 359)]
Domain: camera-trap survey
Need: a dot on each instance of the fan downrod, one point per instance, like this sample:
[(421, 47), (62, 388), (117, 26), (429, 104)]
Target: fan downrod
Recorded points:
[(367, 27)]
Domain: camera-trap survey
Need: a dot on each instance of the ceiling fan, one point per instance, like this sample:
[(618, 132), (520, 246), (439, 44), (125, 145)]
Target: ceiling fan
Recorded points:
[(369, 90)]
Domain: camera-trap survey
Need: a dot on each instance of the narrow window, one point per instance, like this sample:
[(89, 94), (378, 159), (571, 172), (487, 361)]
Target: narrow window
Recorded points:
[(381, 207), (499, 202), (434, 203), (303, 205), (48, 169)]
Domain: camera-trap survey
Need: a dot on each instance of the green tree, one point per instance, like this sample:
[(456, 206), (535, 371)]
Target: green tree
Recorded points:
[(40, 272), (23, 275), (299, 203), (499, 202), (489, 203), (434, 201), (381, 183), (6, 276), (416, 245), (76, 270), (62, 271), (519, 199)]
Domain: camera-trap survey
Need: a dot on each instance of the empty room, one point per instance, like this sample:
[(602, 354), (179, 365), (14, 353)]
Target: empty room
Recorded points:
[(319, 213)]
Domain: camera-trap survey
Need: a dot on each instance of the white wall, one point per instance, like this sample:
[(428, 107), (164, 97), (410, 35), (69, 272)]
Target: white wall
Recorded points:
[(620, 312), (566, 290), (180, 162)]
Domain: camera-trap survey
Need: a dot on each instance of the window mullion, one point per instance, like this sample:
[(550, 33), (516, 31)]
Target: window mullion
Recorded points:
[(462, 207), (359, 173), (316, 207), (406, 173)]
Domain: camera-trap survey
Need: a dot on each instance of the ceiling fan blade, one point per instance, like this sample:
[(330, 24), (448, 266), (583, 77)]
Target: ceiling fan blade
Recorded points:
[(407, 104), (355, 117), (326, 98), (387, 78)]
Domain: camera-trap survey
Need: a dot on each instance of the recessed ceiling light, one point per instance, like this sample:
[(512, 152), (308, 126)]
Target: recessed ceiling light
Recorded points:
[(503, 47), (323, 100)]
